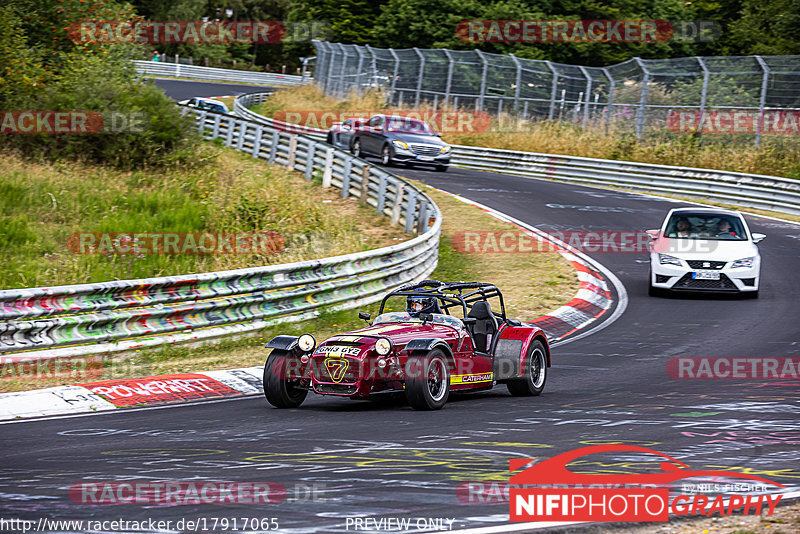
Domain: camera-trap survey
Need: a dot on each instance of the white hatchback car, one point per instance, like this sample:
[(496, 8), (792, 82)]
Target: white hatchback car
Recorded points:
[(705, 249)]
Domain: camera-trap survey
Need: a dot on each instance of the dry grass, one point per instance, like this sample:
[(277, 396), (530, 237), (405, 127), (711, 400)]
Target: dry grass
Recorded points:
[(41, 205), (779, 156)]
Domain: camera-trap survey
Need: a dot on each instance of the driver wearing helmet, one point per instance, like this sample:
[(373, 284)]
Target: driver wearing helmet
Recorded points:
[(415, 305)]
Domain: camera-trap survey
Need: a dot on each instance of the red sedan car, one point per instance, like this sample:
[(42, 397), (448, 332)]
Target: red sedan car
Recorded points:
[(429, 339)]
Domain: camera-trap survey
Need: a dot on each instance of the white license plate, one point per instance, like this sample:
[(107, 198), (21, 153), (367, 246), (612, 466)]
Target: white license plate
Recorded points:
[(426, 158), (706, 275)]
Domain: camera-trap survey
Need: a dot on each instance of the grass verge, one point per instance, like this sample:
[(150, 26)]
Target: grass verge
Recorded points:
[(42, 205), (532, 284)]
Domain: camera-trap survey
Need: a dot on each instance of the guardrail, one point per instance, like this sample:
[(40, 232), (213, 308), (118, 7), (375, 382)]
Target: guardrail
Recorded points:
[(735, 188), (176, 70), (194, 306), (241, 107)]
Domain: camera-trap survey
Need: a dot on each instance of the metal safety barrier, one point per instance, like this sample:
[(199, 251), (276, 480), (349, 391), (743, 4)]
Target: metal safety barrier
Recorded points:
[(177, 70), (734, 188), (68, 318)]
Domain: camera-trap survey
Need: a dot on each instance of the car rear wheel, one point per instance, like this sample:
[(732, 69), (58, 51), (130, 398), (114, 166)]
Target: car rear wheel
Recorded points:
[(356, 148), (429, 384), (386, 156), (280, 390), (532, 382)]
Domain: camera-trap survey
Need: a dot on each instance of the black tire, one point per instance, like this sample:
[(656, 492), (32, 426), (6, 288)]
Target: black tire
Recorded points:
[(386, 156), (281, 392), (329, 139), (440, 168), (355, 148), (532, 383), (430, 389)]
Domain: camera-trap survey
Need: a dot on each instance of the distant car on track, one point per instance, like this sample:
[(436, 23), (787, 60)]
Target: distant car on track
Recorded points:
[(442, 337), (705, 249), (208, 104), (398, 139), (341, 134)]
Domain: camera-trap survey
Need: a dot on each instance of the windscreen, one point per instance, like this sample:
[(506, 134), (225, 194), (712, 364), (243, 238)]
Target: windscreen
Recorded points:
[(687, 225)]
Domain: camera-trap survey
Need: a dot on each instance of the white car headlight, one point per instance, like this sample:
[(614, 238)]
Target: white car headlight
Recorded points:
[(666, 259), (744, 262), (400, 144), (445, 149), (306, 342), (383, 346)]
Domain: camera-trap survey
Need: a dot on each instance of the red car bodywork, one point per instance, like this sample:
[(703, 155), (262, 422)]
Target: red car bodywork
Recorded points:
[(470, 370)]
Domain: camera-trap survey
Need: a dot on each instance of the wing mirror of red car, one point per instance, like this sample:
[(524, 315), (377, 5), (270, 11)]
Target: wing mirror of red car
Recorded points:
[(426, 318), (365, 316)]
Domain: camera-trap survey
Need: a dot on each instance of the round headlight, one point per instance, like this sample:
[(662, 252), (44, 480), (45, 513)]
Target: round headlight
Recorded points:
[(306, 342), (383, 346)]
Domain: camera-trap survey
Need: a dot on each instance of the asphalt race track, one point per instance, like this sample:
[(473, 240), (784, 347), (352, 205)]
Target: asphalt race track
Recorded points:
[(341, 460)]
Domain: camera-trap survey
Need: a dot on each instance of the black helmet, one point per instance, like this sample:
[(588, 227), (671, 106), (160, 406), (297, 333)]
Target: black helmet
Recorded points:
[(419, 304)]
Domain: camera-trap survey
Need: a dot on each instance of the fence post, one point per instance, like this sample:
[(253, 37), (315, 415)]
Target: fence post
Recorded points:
[(312, 148), (553, 91), (292, 151), (341, 85), (373, 66), (410, 208), (348, 166), (398, 202), (381, 193), (177, 65), (763, 100), (703, 94), (394, 76), (242, 134), (215, 130), (201, 128), (423, 217), (420, 75), (642, 99), (586, 94), (483, 79), (273, 149), (612, 83), (449, 78), (327, 172), (330, 86), (257, 141), (359, 67), (231, 128), (518, 82), (364, 185)]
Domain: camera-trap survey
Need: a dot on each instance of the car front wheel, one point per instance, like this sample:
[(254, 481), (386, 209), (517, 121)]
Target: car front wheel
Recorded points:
[(386, 156), (428, 381), (356, 148), (280, 389), (532, 382)]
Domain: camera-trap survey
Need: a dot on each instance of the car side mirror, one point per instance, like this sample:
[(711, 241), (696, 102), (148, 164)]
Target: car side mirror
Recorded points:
[(437, 134), (426, 317), (365, 316), (757, 238), (377, 129), (653, 233)]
